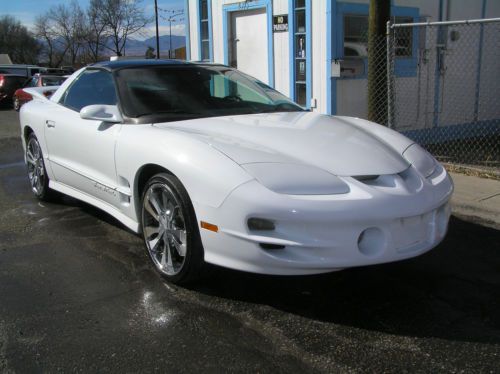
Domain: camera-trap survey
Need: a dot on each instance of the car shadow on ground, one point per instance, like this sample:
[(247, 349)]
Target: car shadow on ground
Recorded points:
[(452, 292)]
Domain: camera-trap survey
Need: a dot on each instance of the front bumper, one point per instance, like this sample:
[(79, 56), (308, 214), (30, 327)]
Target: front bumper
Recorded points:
[(391, 219)]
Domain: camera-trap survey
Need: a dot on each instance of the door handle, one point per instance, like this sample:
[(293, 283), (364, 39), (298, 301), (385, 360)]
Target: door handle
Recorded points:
[(50, 123)]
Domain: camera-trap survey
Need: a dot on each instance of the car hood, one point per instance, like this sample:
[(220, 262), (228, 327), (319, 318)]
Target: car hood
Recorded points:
[(340, 145)]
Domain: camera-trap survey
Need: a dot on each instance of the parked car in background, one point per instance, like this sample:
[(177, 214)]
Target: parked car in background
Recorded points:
[(65, 70), (50, 81), (18, 69), (9, 83)]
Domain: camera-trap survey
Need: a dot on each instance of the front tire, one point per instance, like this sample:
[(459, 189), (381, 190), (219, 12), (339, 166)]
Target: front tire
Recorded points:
[(170, 230), (37, 174)]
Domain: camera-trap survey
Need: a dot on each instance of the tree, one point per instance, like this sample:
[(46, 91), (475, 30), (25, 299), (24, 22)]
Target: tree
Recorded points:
[(17, 41), (379, 15), (52, 48), (96, 29), (69, 26), (123, 18)]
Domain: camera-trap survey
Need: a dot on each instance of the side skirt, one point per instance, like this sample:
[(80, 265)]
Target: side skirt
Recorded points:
[(70, 191)]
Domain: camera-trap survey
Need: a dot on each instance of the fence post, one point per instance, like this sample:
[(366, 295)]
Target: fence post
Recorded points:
[(389, 72)]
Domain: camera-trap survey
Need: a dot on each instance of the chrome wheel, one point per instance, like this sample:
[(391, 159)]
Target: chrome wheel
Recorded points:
[(36, 169), (164, 229)]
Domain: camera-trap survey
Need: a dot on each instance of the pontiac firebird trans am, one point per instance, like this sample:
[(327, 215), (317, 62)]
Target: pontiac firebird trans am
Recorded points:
[(211, 165)]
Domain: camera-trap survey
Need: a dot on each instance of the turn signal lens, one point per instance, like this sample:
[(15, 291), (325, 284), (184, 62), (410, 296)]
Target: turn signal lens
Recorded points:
[(260, 224), (209, 226)]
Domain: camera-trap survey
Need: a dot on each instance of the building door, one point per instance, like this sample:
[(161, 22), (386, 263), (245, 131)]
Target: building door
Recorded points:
[(248, 43)]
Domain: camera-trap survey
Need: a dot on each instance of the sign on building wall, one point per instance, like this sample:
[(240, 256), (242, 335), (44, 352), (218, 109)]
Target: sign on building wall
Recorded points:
[(280, 23)]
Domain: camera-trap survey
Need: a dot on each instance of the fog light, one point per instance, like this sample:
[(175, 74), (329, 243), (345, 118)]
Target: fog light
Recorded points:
[(371, 241), (260, 224)]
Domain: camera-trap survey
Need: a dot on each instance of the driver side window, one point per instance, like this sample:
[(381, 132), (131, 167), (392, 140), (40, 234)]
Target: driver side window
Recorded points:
[(91, 87)]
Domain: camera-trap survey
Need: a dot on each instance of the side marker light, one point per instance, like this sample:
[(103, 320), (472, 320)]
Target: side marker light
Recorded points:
[(209, 226)]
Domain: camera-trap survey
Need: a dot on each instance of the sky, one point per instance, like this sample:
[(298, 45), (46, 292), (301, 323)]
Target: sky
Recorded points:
[(26, 11)]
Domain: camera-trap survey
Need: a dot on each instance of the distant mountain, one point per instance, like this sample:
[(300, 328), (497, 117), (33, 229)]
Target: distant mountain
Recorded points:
[(136, 47)]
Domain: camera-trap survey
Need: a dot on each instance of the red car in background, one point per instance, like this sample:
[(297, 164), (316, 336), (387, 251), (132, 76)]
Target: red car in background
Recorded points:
[(38, 80)]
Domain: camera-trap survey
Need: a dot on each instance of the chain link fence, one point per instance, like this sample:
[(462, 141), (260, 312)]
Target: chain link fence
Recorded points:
[(443, 88)]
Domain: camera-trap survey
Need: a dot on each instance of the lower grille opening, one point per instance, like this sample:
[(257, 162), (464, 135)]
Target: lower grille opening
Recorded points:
[(271, 246), (363, 178)]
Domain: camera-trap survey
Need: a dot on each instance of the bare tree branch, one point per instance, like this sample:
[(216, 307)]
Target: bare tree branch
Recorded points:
[(123, 18)]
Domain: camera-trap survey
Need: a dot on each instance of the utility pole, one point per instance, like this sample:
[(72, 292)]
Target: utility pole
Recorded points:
[(170, 19), (157, 32)]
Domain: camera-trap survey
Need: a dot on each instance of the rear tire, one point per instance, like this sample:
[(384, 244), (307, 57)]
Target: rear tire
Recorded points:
[(37, 174), (170, 230)]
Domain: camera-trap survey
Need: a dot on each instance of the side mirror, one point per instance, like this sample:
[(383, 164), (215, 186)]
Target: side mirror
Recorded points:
[(103, 113)]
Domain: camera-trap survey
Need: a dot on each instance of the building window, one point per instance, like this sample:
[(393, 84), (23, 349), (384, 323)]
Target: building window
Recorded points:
[(204, 31), (355, 35), (301, 60), (404, 40), (353, 51)]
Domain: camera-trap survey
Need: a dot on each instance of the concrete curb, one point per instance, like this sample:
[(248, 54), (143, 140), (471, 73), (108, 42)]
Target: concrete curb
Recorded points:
[(476, 199)]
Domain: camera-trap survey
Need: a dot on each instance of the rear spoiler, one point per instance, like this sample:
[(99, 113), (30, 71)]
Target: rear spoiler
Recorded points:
[(41, 93)]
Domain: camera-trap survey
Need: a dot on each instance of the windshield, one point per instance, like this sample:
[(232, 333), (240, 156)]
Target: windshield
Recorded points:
[(196, 92)]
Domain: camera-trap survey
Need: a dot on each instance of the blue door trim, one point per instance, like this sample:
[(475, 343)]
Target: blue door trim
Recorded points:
[(293, 52), (267, 4), (188, 34), (210, 48), (331, 34)]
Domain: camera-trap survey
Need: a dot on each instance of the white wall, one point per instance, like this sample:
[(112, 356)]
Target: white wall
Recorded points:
[(281, 52), (462, 9), (194, 31), (217, 30), (319, 58)]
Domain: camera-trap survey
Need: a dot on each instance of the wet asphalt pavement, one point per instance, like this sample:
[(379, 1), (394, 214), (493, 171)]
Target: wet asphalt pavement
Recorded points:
[(77, 293)]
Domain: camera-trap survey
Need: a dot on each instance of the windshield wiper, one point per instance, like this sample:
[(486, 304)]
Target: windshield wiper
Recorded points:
[(173, 111), (279, 108)]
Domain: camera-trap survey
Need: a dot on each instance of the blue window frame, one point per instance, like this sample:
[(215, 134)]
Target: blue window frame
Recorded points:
[(228, 8), (351, 38), (188, 34), (299, 22), (205, 30)]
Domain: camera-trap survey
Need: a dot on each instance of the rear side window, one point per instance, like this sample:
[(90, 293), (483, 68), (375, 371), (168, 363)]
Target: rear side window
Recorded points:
[(91, 87)]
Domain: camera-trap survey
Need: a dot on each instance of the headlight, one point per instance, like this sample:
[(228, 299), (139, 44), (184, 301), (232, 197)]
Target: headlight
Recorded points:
[(296, 179), (420, 159)]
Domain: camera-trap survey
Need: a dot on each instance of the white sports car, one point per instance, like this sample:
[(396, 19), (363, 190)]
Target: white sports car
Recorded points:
[(211, 165)]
